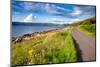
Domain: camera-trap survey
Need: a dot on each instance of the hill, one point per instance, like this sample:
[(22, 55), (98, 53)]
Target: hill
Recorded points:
[(85, 22)]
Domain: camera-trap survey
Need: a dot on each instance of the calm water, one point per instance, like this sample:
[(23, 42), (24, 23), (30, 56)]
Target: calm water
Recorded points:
[(19, 30)]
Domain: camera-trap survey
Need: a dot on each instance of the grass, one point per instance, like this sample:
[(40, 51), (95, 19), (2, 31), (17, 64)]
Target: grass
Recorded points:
[(55, 47), (52, 47), (89, 29)]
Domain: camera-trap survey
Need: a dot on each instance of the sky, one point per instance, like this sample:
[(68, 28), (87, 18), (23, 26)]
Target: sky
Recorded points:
[(40, 12)]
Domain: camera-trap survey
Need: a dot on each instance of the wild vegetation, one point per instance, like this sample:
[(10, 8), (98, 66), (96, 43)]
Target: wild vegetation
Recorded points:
[(89, 29), (55, 47), (88, 26)]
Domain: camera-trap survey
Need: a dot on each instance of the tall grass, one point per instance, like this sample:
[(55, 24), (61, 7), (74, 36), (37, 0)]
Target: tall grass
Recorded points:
[(89, 29), (56, 47)]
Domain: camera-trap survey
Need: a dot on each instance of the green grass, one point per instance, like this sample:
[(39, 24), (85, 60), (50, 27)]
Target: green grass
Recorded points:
[(89, 29), (56, 47)]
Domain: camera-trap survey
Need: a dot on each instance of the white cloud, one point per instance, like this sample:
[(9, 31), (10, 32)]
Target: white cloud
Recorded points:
[(77, 19), (76, 12), (54, 19), (61, 8), (73, 20), (51, 9), (27, 6), (57, 20), (28, 18)]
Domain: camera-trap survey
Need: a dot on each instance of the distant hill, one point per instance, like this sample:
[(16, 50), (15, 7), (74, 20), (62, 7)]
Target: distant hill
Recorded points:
[(86, 21), (38, 24)]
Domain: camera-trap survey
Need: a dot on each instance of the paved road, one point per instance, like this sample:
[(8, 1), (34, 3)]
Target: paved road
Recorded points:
[(85, 45)]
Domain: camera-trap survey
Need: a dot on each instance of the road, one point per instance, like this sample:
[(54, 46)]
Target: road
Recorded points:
[(85, 45)]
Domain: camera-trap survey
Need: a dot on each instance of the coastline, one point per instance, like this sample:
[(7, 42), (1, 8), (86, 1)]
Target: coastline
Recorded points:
[(29, 36)]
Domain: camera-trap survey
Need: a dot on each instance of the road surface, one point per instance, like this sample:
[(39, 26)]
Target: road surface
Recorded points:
[(85, 45)]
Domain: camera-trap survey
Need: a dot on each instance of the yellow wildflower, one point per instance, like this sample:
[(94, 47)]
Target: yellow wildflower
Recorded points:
[(31, 51)]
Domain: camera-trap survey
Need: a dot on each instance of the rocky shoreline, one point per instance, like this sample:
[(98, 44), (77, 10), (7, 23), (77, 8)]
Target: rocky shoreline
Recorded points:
[(30, 36)]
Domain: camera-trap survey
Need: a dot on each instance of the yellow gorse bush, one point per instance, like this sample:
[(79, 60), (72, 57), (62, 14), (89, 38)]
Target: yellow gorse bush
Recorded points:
[(30, 52)]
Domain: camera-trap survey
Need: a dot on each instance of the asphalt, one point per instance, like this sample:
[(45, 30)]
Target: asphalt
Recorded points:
[(85, 45)]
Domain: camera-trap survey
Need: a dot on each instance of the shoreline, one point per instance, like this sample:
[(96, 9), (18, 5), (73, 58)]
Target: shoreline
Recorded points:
[(29, 36)]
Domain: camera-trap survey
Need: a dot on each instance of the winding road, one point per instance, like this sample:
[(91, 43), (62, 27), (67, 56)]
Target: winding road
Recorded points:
[(85, 44)]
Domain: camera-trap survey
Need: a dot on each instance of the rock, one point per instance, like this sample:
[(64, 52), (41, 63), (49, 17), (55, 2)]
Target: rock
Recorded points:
[(27, 35), (19, 39), (13, 38), (30, 36)]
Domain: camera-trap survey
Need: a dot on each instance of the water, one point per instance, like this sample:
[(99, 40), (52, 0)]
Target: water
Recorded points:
[(19, 30)]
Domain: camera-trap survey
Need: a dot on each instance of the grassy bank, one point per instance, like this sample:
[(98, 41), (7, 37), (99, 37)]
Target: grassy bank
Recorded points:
[(54, 47), (89, 29), (88, 26)]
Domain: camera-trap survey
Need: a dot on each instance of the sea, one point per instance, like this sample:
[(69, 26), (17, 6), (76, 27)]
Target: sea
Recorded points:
[(19, 29)]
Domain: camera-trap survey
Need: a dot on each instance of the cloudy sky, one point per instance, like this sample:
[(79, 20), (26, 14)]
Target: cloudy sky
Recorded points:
[(49, 12)]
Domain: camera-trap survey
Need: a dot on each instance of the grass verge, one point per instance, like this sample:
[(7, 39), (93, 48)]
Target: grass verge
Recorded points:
[(89, 29), (56, 47)]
